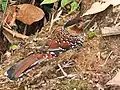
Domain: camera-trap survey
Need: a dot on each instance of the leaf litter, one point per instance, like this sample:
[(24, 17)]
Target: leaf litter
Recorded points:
[(28, 13), (101, 6), (87, 61)]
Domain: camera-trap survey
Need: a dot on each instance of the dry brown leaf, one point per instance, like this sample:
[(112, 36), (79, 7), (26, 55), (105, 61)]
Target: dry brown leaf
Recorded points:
[(96, 8), (112, 2), (29, 14), (10, 15), (101, 6), (115, 80)]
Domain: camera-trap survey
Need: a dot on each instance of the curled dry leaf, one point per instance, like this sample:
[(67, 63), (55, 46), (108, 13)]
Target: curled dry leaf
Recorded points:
[(112, 2), (96, 8), (101, 6), (29, 14), (115, 80)]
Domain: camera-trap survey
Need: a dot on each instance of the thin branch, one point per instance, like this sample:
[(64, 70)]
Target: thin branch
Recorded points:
[(16, 34), (64, 73), (107, 59), (90, 22)]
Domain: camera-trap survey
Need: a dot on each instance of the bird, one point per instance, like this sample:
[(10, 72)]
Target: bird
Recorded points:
[(55, 47)]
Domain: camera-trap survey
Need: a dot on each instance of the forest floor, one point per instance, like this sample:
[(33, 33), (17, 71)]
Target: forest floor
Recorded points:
[(90, 67)]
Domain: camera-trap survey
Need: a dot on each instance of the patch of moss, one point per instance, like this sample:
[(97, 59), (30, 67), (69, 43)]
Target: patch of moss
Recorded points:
[(91, 34), (73, 84)]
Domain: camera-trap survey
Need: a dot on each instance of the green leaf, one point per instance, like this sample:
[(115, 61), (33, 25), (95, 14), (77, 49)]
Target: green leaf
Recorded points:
[(0, 1), (4, 4), (0, 5), (13, 47), (91, 34), (65, 2), (48, 2), (74, 6)]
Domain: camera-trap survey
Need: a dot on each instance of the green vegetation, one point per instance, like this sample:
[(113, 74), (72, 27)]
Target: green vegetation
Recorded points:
[(91, 34), (73, 84), (13, 47), (48, 1), (73, 4), (3, 4)]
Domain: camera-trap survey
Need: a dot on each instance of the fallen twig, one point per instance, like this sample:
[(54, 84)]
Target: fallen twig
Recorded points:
[(68, 76), (117, 18), (53, 20), (16, 34), (25, 29), (107, 59), (90, 22), (7, 25), (64, 73)]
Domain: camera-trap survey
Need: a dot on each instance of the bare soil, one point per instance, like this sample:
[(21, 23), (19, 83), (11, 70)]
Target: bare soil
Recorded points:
[(90, 67)]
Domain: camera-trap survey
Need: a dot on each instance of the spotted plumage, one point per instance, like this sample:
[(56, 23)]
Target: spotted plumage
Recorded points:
[(61, 43)]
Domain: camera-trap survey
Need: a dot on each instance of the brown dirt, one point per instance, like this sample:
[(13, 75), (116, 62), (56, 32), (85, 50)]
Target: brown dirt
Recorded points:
[(87, 62)]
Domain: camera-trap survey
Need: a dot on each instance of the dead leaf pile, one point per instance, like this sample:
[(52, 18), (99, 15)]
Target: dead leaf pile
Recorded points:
[(98, 7), (101, 6), (29, 14), (26, 13), (115, 80)]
